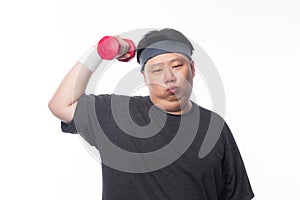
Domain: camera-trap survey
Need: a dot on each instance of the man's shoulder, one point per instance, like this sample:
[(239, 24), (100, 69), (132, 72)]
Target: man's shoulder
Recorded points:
[(114, 96), (120, 100), (207, 113)]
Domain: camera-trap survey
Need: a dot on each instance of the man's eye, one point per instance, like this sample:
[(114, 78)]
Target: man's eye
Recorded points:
[(156, 70), (176, 66)]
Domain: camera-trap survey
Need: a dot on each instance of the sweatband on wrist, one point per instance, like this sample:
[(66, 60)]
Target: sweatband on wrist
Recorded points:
[(90, 59), (165, 46)]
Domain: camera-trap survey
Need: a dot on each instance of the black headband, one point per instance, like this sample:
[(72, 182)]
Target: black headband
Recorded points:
[(165, 46)]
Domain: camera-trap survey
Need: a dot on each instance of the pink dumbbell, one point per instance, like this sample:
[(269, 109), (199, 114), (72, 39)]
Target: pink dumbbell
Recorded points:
[(111, 47)]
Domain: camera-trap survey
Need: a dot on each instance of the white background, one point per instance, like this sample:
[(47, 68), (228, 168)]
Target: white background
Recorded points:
[(255, 46)]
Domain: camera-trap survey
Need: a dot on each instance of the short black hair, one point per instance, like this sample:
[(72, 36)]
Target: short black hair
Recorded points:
[(160, 35)]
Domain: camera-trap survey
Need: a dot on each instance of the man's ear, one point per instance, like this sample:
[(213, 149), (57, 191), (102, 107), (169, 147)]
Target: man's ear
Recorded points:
[(193, 68)]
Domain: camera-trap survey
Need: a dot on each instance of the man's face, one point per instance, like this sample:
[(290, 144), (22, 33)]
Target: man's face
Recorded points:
[(169, 77)]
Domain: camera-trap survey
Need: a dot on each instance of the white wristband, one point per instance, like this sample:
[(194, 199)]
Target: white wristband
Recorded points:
[(90, 59)]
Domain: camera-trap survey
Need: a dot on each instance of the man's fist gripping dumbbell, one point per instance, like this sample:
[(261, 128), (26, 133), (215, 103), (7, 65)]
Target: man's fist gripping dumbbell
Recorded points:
[(108, 48)]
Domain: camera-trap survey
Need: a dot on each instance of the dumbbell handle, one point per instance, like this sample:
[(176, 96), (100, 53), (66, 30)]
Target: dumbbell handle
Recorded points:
[(111, 47)]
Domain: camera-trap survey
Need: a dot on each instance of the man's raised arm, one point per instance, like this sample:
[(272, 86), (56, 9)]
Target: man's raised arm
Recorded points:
[(63, 102)]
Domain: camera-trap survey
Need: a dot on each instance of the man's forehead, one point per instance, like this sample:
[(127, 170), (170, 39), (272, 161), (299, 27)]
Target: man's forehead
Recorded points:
[(166, 58)]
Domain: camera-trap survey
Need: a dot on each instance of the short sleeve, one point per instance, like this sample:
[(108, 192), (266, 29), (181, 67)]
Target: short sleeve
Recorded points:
[(85, 118), (237, 184)]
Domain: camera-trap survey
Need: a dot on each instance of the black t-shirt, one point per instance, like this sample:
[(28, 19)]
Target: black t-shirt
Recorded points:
[(128, 122)]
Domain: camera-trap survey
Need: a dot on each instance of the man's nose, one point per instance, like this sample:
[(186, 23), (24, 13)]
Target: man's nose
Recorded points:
[(169, 75)]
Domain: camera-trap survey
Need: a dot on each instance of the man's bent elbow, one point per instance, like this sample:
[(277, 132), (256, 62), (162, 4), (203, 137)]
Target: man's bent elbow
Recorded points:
[(65, 114)]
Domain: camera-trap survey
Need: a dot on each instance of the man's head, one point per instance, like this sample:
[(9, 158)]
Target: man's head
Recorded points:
[(162, 36), (168, 69)]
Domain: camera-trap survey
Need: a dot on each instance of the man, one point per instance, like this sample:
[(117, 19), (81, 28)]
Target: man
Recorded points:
[(161, 133)]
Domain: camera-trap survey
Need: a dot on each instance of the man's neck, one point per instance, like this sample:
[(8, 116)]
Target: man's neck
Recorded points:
[(172, 107)]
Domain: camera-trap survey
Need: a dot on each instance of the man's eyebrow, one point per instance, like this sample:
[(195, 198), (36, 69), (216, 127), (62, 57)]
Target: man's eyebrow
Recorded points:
[(155, 64), (176, 59), (161, 64)]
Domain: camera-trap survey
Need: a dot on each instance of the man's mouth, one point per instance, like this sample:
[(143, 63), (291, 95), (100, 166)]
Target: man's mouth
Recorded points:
[(172, 89)]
